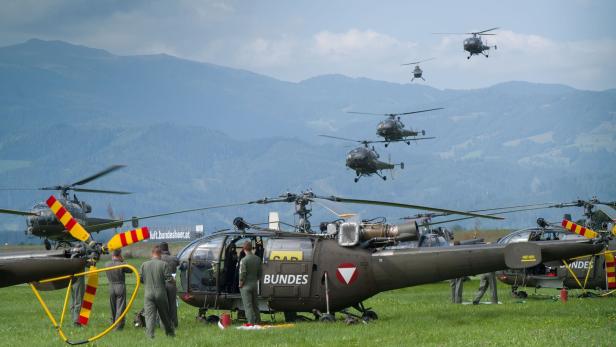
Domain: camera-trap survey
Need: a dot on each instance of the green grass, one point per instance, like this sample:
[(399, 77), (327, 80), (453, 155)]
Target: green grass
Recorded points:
[(413, 316)]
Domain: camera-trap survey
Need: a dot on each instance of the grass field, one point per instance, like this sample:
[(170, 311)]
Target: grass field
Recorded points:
[(413, 316)]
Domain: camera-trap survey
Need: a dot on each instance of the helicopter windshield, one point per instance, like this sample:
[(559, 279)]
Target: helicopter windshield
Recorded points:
[(203, 271)]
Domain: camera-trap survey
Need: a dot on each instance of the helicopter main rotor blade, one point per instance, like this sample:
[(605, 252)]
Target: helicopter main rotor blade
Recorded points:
[(419, 61), (114, 223), (488, 214), (483, 31), (369, 113), (107, 171), (17, 212), (396, 204), (87, 190), (529, 206), (342, 138), (420, 111), (398, 114), (406, 139)]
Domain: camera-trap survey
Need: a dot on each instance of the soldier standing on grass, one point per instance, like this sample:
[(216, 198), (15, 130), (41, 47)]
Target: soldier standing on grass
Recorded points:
[(78, 288), (117, 287), (154, 275), (487, 280), (172, 262), (250, 273)]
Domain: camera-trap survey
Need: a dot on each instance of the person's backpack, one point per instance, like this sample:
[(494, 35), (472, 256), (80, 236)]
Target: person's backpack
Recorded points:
[(139, 320)]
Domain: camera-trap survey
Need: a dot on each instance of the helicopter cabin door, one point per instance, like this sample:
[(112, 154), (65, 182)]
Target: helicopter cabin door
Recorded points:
[(287, 268), (204, 266)]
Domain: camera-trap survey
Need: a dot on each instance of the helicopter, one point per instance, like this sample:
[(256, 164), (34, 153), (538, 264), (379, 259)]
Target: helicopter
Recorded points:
[(392, 129), (365, 161), (57, 269), (41, 223), (417, 72), (342, 266), (593, 271), (474, 45)]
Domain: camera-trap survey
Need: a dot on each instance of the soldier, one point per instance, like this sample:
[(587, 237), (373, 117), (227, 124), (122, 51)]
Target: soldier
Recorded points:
[(78, 288), (457, 285), (487, 280), (117, 287), (154, 275), (171, 288), (250, 273)]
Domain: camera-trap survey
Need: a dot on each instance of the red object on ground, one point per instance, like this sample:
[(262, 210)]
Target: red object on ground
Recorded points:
[(564, 295), (225, 319)]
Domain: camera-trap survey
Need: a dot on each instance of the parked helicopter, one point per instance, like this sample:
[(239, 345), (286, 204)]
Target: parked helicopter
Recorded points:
[(56, 270), (595, 271), (417, 72), (474, 45), (343, 266), (41, 223), (365, 161), (392, 129)]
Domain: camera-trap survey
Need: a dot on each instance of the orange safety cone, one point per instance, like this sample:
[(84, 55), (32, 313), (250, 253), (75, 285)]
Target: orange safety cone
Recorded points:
[(564, 295)]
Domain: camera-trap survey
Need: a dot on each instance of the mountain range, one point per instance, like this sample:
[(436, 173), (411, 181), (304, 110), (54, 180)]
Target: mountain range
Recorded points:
[(196, 134)]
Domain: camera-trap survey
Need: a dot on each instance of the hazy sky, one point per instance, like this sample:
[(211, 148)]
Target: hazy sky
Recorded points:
[(569, 42)]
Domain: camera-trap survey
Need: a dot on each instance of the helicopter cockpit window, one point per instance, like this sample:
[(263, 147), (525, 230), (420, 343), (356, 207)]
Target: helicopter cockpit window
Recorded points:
[(521, 236), (204, 266), (289, 250), (549, 236), (431, 240)]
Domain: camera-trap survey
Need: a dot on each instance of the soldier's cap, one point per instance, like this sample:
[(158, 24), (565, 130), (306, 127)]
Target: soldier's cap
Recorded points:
[(164, 246)]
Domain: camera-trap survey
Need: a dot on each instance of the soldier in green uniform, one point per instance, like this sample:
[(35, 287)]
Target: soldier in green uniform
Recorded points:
[(117, 287), (250, 273), (154, 275), (487, 280), (78, 288), (171, 288), (457, 285)]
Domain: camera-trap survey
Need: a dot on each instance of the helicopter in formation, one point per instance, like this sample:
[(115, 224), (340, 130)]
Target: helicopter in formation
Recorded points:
[(41, 222), (393, 130), (417, 71), (474, 45), (365, 161)]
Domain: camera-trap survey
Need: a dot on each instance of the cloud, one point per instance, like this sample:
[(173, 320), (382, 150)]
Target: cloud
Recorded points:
[(347, 44), (283, 42)]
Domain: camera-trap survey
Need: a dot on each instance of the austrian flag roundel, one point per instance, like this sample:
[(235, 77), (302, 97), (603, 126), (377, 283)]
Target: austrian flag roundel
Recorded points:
[(347, 273)]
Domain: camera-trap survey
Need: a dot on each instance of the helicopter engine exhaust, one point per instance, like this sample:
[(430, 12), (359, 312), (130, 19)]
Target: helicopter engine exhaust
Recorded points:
[(406, 231), (352, 233)]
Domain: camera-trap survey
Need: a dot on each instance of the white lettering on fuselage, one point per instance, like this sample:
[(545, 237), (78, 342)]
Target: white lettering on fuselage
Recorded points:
[(285, 279), (580, 264)]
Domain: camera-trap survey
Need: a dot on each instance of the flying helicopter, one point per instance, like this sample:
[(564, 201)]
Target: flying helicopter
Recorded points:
[(393, 130), (474, 45), (417, 72), (344, 265), (41, 223), (365, 161), (595, 271)]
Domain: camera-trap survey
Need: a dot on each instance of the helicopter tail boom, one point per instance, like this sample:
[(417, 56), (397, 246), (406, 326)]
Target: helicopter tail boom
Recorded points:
[(432, 265)]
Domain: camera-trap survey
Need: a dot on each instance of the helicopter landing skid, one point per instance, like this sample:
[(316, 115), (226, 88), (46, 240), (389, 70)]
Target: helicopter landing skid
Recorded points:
[(366, 314)]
